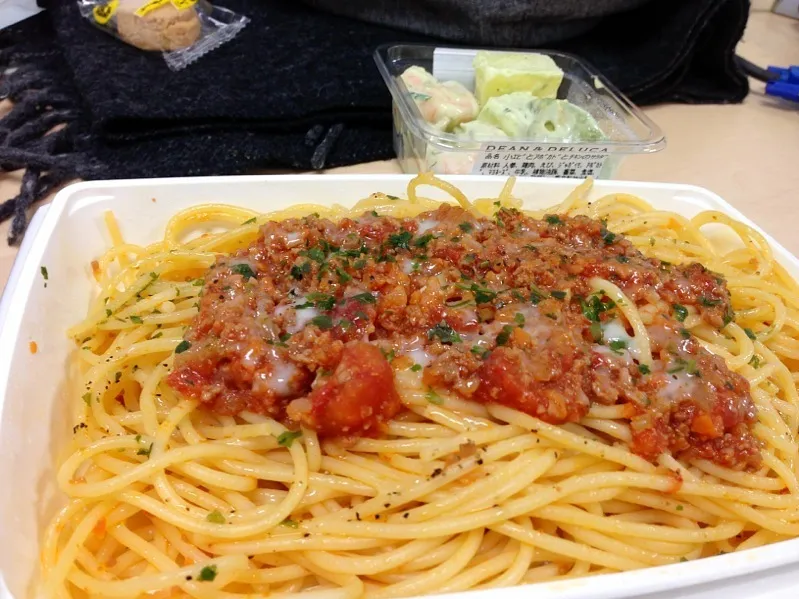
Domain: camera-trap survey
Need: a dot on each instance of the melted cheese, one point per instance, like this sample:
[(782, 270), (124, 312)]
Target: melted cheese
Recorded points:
[(426, 225), (301, 317)]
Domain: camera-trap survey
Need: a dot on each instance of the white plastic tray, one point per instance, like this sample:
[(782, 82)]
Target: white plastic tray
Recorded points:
[(34, 422)]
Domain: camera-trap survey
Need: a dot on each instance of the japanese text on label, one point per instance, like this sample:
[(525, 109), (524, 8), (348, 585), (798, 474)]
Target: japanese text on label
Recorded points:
[(540, 160)]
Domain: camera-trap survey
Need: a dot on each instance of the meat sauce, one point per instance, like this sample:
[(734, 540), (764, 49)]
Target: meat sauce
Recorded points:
[(309, 322)]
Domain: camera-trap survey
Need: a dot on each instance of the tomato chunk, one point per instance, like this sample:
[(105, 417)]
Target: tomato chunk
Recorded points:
[(356, 399)]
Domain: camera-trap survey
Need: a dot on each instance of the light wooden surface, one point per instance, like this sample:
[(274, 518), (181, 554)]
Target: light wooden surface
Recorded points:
[(747, 153)]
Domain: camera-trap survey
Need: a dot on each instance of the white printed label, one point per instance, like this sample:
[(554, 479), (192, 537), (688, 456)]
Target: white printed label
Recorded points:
[(540, 160)]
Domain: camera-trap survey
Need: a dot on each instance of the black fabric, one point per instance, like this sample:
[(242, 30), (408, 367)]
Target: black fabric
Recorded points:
[(484, 22), (296, 89)]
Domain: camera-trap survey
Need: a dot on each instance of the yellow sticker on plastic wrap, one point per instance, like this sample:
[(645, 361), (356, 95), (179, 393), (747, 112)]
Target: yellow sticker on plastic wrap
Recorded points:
[(151, 5), (102, 14)]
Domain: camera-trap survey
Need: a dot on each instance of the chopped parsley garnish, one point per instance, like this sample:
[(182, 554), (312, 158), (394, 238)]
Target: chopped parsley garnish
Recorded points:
[(216, 516), (536, 295), (365, 298), (708, 301), (315, 254), (688, 366), (421, 242), (182, 346), (297, 272), (290, 523), (354, 252), (136, 319), (755, 362), (445, 333), (561, 295), (198, 282), (286, 438), (479, 351), (87, 398), (622, 259), (594, 306), (145, 452), (607, 236), (553, 219), (400, 240), (323, 301), (434, 397), (680, 312), (466, 227), (44, 272), (644, 369), (504, 335), (729, 316), (750, 333), (323, 321), (616, 345), (596, 332), (482, 295), (108, 312), (207, 574), (244, 270), (153, 276), (343, 276), (249, 221), (519, 319), (416, 368), (359, 264), (390, 197), (388, 355), (345, 324), (686, 334)]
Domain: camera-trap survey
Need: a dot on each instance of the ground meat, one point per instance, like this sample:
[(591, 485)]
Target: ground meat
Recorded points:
[(306, 325)]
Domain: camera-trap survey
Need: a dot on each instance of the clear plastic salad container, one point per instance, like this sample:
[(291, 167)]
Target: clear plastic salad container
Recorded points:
[(589, 134)]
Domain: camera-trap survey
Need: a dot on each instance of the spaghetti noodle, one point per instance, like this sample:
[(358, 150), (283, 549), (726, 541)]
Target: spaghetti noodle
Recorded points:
[(219, 493)]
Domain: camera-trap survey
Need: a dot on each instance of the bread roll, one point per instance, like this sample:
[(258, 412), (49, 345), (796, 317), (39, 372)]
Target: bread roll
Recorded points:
[(164, 28)]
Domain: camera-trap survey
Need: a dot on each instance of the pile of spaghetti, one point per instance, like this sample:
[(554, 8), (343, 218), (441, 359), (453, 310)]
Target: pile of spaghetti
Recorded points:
[(410, 397)]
